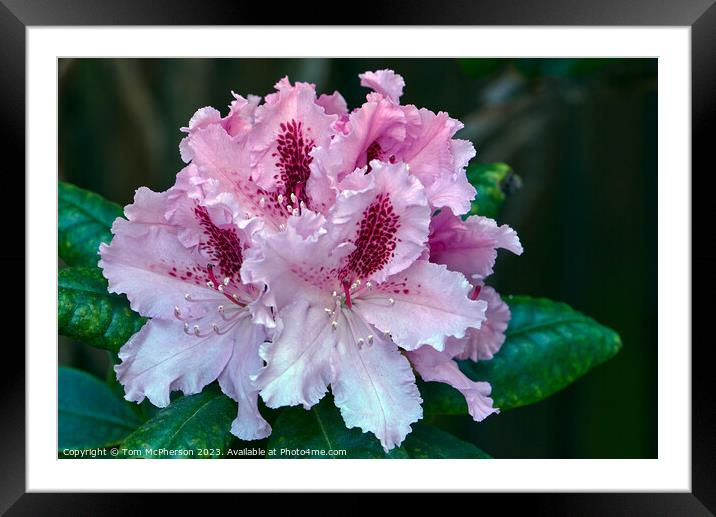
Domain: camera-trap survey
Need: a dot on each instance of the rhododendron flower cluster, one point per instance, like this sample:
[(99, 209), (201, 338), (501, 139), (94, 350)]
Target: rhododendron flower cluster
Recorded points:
[(305, 248)]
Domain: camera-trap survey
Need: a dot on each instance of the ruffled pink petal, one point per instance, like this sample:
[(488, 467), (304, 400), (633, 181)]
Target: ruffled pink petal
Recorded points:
[(157, 270), (237, 123), (298, 368), (423, 304), (387, 221), (235, 380), (147, 262), (377, 129), (385, 82), (223, 173), (470, 246), (481, 344), (452, 191), (240, 119), (296, 260), (161, 358), (436, 366), (289, 125), (438, 161), (333, 104), (374, 386)]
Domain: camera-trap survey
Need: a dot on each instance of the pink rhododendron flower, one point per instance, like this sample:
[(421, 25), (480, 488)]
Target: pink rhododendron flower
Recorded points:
[(362, 293), (306, 248), (178, 263), (384, 130)]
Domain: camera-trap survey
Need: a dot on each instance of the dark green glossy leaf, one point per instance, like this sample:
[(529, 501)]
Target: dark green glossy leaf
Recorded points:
[(548, 346), (88, 313), (90, 415), (428, 441), (84, 220), (493, 181), (197, 426), (321, 429)]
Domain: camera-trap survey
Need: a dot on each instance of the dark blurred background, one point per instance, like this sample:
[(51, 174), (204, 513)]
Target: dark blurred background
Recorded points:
[(580, 132)]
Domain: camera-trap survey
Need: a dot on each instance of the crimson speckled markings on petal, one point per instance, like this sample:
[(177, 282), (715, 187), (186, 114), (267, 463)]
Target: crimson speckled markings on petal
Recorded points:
[(375, 242), (222, 244), (293, 159)]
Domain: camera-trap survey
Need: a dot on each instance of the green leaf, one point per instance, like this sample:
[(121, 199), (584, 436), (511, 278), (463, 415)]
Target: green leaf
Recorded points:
[(90, 415), (428, 441), (84, 220), (493, 181), (197, 426), (321, 429), (88, 313), (548, 346)]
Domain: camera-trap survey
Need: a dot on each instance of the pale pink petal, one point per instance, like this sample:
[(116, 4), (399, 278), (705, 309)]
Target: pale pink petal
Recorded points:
[(374, 386), (235, 380), (240, 119), (224, 174), (481, 344), (296, 260), (439, 367), (237, 123), (386, 82), (202, 118), (333, 104), (423, 304), (470, 246), (148, 262), (438, 161), (288, 126), (387, 221), (161, 358), (377, 129), (298, 368), (452, 191)]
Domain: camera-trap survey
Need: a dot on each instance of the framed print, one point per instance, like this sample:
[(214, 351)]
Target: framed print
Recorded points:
[(445, 257)]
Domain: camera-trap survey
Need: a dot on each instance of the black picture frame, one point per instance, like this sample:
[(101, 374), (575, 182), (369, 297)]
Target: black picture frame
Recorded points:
[(700, 15)]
